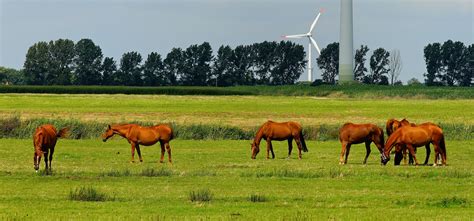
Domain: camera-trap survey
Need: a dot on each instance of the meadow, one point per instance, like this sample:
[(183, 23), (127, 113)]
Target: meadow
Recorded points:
[(216, 179)]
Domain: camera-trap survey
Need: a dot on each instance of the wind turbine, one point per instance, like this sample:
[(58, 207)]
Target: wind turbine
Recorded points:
[(312, 42)]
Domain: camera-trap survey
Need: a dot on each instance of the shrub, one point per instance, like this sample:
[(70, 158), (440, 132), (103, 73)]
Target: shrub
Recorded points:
[(88, 194), (201, 195)]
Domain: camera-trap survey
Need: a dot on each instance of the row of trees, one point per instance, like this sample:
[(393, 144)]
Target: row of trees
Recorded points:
[(450, 63), (385, 67), (62, 62)]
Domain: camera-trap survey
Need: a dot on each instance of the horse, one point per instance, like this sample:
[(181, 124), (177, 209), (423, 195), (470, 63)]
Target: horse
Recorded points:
[(138, 135), (271, 130), (417, 136), (401, 151), (44, 141), (359, 133)]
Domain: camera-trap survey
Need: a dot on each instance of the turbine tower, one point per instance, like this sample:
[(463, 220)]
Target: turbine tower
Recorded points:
[(312, 42), (346, 57)]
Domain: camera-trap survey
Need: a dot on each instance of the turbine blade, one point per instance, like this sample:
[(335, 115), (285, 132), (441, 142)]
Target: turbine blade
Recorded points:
[(315, 44), (314, 22), (295, 36)]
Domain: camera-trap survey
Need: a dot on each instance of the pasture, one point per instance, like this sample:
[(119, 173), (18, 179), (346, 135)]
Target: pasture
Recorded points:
[(315, 187)]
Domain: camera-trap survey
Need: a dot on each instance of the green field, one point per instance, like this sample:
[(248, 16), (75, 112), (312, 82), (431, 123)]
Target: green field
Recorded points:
[(315, 187)]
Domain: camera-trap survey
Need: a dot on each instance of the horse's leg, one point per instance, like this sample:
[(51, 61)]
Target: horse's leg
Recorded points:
[(404, 151), (168, 148), (162, 145), (412, 152), (343, 151), (139, 152), (428, 152), (410, 156), (367, 148), (269, 144), (51, 152), (290, 146), (348, 149), (46, 161), (133, 152), (298, 144)]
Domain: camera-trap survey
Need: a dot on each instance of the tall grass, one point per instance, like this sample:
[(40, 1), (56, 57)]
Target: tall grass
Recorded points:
[(88, 194), (200, 195), (354, 91), (13, 127)]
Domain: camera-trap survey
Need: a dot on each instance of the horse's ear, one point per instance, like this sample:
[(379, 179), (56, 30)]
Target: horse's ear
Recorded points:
[(108, 126)]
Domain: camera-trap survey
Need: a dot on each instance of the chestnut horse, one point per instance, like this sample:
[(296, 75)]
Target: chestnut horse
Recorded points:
[(44, 141), (279, 131), (359, 133), (416, 136), (401, 151), (147, 136)]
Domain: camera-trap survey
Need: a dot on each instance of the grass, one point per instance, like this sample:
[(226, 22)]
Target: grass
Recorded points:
[(235, 111), (257, 198), (200, 195), (351, 91), (88, 194), (315, 187)]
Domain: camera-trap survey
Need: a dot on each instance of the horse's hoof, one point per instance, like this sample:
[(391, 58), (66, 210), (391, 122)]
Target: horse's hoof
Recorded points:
[(36, 171)]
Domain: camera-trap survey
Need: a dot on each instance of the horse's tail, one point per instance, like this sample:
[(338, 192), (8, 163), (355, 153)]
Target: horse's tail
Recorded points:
[(442, 144), (303, 143), (63, 132)]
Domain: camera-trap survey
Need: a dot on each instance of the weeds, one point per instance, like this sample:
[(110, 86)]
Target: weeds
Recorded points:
[(201, 195), (257, 198), (152, 172), (88, 194)]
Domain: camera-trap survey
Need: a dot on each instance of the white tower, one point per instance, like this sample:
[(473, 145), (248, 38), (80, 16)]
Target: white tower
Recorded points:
[(346, 47)]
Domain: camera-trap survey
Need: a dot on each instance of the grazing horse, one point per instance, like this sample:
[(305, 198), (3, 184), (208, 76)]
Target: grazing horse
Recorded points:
[(416, 136), (279, 131), (359, 133), (401, 151), (44, 141), (147, 136)]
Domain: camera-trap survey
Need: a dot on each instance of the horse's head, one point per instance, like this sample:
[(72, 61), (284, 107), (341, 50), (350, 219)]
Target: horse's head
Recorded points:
[(384, 158), (108, 133), (37, 158), (255, 149)]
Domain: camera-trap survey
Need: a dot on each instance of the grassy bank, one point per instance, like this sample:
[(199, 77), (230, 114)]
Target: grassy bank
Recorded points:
[(345, 91), (92, 180), (13, 127)]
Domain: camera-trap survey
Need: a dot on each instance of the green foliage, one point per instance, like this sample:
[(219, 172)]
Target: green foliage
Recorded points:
[(328, 62), (109, 71), (257, 198), (153, 74), (10, 76), (379, 67), (152, 172), (359, 63), (88, 194), (454, 201), (88, 62), (130, 72), (200, 195)]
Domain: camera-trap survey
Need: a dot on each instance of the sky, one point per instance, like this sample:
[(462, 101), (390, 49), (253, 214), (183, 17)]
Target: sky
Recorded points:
[(146, 26)]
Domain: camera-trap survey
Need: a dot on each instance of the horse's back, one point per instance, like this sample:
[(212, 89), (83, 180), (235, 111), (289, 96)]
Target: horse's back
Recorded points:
[(45, 135), (357, 133)]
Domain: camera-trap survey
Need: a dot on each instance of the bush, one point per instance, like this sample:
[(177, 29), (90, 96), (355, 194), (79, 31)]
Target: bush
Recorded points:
[(88, 194), (201, 195)]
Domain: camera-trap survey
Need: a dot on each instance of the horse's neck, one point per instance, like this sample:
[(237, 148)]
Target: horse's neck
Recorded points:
[(121, 130), (258, 136)]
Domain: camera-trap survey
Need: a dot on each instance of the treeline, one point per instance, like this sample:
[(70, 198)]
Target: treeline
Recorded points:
[(63, 62), (447, 64)]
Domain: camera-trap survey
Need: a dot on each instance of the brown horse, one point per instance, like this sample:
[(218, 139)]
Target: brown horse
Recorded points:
[(44, 141), (401, 151), (417, 136), (147, 136), (359, 133), (279, 131)]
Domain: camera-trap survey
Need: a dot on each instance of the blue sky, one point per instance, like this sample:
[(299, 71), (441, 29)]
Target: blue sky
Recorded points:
[(120, 26)]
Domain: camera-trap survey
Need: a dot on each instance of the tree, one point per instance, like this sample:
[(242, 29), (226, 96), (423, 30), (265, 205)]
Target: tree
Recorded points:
[(153, 71), (109, 69), (359, 58), (88, 62), (413, 82), (289, 63), (378, 67), (432, 53), (265, 60), (174, 65), (395, 66), (130, 72), (467, 73), (328, 62), (60, 62), (36, 64), (243, 59), (453, 59), (197, 68), (10, 76), (222, 67)]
